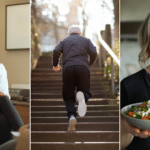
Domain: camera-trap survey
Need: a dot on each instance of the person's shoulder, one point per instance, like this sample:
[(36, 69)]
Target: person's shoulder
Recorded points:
[(85, 38), (133, 77), (65, 39), (77, 36), (2, 67)]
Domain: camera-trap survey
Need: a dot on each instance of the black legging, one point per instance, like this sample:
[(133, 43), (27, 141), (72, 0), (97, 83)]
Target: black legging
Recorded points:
[(9, 119), (10, 145), (75, 77)]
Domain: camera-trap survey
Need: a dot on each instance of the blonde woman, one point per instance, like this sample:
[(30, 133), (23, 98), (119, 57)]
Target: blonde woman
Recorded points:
[(136, 88)]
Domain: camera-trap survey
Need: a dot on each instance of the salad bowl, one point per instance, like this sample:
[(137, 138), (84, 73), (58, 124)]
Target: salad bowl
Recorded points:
[(139, 123)]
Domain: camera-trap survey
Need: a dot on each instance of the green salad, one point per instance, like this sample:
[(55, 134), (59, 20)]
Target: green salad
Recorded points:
[(140, 112)]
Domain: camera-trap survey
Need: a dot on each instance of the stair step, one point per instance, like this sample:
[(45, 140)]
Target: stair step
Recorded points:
[(59, 74), (65, 119), (92, 69), (55, 87), (82, 136), (41, 90), (63, 108), (92, 81), (55, 78), (64, 113), (51, 72), (49, 64), (59, 95), (86, 126), (47, 102), (58, 86), (98, 130), (75, 146), (36, 84)]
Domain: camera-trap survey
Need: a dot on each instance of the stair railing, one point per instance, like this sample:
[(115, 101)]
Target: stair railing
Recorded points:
[(109, 50), (105, 47)]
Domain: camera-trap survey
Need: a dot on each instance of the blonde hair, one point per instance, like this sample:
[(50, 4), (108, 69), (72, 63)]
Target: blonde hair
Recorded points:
[(144, 41)]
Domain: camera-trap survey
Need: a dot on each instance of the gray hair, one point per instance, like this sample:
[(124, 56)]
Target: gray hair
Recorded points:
[(74, 29), (144, 41)]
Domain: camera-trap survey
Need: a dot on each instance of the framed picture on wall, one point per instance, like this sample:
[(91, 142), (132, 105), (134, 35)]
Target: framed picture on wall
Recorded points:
[(18, 27)]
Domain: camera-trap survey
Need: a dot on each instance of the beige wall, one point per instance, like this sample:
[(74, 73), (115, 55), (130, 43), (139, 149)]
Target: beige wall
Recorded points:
[(16, 62), (132, 10), (136, 10)]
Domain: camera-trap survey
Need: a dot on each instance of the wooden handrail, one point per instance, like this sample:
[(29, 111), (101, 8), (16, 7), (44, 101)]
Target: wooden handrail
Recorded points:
[(109, 50)]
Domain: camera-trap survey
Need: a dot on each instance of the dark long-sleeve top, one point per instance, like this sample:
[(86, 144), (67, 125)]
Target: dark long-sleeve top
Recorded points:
[(134, 89), (75, 50)]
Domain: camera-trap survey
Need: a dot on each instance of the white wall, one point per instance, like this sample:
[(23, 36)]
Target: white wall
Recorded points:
[(134, 9), (129, 58), (17, 63), (131, 10)]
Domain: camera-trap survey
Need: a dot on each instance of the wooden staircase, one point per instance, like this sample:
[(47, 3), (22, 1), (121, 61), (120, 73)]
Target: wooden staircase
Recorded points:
[(98, 130)]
